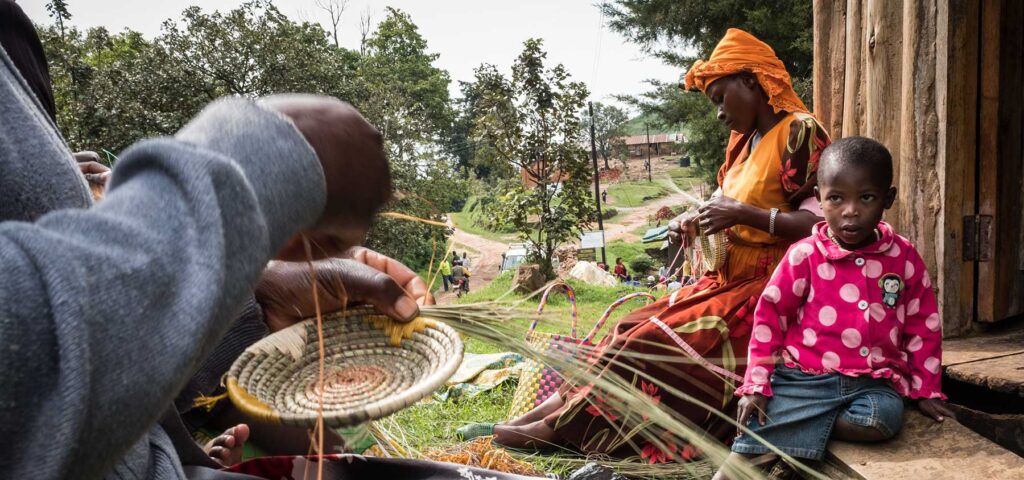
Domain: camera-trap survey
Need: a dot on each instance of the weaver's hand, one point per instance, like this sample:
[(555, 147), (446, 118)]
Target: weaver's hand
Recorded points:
[(682, 228), (94, 171), (935, 408), (285, 288), (356, 171), (720, 213), (749, 405)]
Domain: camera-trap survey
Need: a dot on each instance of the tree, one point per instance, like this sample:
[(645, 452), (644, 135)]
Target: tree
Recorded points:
[(112, 90), (334, 8), (609, 133), (531, 122), (406, 97), (681, 31)]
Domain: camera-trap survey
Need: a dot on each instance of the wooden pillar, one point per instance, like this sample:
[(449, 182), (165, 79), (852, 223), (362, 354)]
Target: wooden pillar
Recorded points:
[(830, 63), (918, 181), (883, 52), (956, 91), (853, 83)]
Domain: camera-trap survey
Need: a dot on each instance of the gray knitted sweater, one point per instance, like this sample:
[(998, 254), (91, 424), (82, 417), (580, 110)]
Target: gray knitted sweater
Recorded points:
[(106, 310)]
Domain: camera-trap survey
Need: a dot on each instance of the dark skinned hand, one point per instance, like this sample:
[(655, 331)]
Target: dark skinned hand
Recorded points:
[(720, 213), (94, 171), (935, 408), (749, 405), (356, 171), (285, 292), (682, 228)]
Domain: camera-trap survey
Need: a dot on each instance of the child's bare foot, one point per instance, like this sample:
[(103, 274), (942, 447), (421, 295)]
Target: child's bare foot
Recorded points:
[(227, 448)]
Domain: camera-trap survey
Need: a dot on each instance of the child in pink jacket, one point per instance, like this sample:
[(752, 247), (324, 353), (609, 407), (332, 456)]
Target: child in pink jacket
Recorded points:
[(847, 326)]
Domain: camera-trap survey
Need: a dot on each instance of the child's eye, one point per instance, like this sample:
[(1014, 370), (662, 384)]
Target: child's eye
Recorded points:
[(834, 198), (867, 198)]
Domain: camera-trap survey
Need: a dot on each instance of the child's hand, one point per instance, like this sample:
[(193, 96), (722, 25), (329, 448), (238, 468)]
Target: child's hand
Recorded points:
[(935, 408), (750, 404)]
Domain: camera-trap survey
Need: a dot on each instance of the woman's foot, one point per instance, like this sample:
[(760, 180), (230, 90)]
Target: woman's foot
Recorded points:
[(227, 448), (536, 435)]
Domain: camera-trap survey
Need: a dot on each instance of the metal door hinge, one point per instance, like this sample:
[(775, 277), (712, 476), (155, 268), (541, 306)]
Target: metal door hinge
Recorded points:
[(978, 238)]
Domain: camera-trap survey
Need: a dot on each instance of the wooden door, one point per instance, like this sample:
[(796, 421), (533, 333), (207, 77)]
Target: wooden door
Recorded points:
[(1000, 192)]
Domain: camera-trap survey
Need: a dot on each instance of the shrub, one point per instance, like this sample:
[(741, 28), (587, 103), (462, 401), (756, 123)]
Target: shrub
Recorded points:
[(608, 213), (641, 264)]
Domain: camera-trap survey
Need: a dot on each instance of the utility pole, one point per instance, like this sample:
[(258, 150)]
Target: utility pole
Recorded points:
[(597, 181), (648, 153)]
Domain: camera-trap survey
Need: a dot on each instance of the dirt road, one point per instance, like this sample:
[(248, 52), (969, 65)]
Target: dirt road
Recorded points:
[(637, 216), (484, 260)]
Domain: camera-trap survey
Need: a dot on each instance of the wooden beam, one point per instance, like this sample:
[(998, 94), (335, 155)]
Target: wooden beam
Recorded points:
[(988, 145), (854, 78), (920, 199), (884, 52), (956, 89), (830, 63)]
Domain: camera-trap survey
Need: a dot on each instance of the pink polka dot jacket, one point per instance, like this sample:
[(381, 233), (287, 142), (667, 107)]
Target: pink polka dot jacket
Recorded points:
[(865, 312)]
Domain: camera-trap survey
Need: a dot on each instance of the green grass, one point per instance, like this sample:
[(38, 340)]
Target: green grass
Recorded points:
[(473, 222), (633, 194), (433, 424), (622, 249), (684, 178)]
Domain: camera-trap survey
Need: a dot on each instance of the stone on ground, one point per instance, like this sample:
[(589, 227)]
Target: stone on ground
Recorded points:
[(528, 279), (589, 272)]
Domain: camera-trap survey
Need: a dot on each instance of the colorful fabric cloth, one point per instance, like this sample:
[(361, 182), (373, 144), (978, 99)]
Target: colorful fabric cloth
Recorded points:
[(713, 316), (788, 155), (865, 312), (739, 51), (479, 373)]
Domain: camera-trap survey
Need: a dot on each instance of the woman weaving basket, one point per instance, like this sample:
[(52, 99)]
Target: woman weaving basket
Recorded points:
[(765, 202)]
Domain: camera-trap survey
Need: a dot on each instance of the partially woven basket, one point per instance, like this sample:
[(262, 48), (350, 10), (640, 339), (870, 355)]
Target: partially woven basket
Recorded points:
[(374, 367), (709, 251)]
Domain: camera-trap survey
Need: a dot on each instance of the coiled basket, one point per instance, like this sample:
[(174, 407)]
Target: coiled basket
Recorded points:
[(374, 367)]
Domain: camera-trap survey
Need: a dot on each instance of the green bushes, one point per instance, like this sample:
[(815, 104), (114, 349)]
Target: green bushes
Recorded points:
[(641, 264)]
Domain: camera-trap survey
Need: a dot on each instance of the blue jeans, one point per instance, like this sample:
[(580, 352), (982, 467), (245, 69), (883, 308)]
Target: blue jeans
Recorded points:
[(803, 409)]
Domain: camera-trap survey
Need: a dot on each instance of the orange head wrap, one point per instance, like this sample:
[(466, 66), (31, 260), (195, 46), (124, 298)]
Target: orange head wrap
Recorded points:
[(739, 51)]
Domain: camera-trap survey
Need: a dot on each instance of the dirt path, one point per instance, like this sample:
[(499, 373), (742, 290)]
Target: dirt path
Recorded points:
[(637, 216), (484, 259)]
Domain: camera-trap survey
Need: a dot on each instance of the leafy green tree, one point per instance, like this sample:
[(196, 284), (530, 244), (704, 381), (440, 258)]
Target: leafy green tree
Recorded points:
[(681, 31), (113, 89), (530, 120), (609, 131), (405, 95)]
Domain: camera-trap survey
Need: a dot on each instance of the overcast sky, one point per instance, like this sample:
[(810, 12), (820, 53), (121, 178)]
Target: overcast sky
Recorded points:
[(465, 33)]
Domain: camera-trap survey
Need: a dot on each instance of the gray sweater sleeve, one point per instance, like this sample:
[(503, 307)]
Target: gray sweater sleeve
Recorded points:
[(105, 312)]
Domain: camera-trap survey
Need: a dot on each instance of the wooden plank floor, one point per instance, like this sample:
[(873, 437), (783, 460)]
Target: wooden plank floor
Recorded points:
[(926, 449)]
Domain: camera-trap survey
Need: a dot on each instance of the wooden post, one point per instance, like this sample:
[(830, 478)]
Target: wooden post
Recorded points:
[(883, 51), (597, 180), (830, 63), (854, 82), (956, 90), (918, 180)]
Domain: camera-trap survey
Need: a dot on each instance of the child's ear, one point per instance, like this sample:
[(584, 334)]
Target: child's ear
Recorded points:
[(817, 194), (890, 197)]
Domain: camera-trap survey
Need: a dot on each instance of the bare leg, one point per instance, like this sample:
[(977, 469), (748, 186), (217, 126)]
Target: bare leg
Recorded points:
[(735, 460), (856, 433), (547, 407), (534, 435)]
